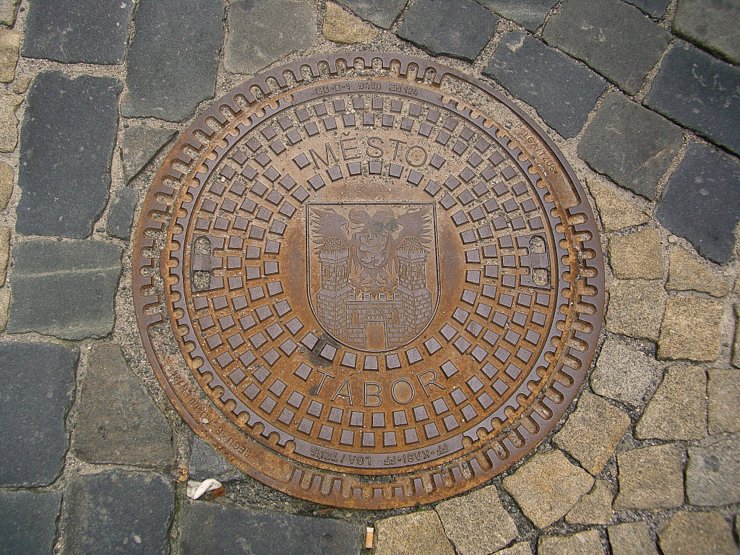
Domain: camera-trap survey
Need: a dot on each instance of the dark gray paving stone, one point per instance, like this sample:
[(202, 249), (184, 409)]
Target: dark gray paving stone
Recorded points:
[(380, 12), (699, 92), (118, 512), (206, 462), (65, 289), (139, 144), (530, 14), (66, 149), (78, 30), (261, 33), (460, 29), (117, 422), (220, 528), (655, 8), (173, 58), (630, 144), (38, 388), (561, 90), (613, 38), (28, 521), (702, 201), (712, 24), (122, 213)]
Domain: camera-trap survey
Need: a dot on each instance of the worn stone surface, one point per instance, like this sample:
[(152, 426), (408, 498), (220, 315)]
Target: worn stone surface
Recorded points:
[(547, 487), (631, 145), (66, 149), (28, 521), (7, 176), (77, 30), (592, 432), (206, 462), (38, 389), (171, 63), (691, 329), (343, 27), (723, 394), (631, 538), (4, 304), (419, 532), (118, 512), (736, 345), (521, 548), (122, 213), (697, 534), (701, 201), (713, 471), (64, 289), (687, 272), (636, 308), (530, 14), (8, 9), (613, 38), (477, 523), (616, 210), (711, 24), (698, 91), (650, 478), (226, 528), (593, 508), (4, 252), (117, 423), (582, 543), (10, 42), (139, 144), (460, 29), (637, 255), (655, 8), (380, 12), (530, 71), (9, 122), (678, 410), (261, 33)]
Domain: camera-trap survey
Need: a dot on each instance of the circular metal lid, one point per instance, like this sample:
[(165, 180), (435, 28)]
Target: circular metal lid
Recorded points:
[(368, 280)]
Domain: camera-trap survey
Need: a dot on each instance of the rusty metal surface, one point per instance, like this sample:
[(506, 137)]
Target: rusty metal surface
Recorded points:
[(360, 289)]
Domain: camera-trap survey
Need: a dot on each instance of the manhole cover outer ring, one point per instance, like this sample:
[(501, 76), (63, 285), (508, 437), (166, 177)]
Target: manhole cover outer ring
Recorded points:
[(319, 484)]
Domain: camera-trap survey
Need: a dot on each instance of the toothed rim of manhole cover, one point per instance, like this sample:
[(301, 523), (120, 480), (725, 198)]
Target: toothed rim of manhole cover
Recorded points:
[(368, 279)]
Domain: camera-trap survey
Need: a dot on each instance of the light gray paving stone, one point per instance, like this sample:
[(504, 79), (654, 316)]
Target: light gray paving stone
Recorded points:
[(380, 12), (713, 471)]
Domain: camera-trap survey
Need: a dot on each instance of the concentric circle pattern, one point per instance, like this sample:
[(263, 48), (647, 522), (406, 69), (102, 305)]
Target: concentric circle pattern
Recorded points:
[(368, 280)]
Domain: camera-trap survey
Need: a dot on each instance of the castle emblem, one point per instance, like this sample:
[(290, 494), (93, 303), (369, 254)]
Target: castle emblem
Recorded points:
[(372, 271)]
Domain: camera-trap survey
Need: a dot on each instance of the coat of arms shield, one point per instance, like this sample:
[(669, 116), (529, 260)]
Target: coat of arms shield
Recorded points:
[(372, 271)]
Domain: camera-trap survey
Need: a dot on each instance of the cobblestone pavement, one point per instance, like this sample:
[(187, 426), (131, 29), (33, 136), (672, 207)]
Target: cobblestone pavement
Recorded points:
[(641, 96)]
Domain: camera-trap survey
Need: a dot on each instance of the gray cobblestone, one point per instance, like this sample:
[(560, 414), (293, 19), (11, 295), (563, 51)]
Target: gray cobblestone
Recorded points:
[(699, 92), (532, 71), (28, 521), (530, 14), (380, 12)]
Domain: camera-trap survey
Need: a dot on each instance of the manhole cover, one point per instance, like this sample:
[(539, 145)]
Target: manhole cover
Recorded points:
[(368, 280)]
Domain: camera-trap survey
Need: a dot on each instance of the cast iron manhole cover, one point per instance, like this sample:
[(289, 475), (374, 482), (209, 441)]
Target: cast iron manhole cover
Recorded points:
[(368, 280)]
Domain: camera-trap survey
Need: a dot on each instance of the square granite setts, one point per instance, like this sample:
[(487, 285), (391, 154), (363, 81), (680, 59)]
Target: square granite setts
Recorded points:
[(73, 31), (38, 389), (226, 528), (702, 201), (380, 12), (173, 57), (631, 145), (460, 29), (65, 289), (530, 14), (699, 92), (118, 512), (615, 39), (28, 521), (66, 150), (561, 90)]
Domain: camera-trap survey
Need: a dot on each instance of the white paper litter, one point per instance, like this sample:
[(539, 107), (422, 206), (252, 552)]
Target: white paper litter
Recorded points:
[(195, 489)]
